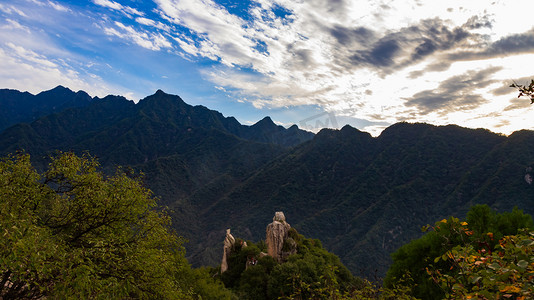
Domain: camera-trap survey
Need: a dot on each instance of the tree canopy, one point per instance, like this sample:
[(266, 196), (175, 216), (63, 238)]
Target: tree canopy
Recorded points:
[(433, 261), (74, 233), (71, 232), (309, 273)]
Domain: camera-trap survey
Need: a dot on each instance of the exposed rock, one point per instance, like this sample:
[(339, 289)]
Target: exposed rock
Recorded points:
[(279, 216), (277, 233), (279, 240), (229, 242)]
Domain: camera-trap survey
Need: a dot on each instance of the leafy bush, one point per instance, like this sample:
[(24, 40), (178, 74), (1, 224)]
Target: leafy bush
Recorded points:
[(73, 233), (506, 272), (431, 254), (310, 273)]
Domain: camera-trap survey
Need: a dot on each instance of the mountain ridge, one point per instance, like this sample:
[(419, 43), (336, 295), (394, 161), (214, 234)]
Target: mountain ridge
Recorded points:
[(371, 195), (25, 107), (363, 196)]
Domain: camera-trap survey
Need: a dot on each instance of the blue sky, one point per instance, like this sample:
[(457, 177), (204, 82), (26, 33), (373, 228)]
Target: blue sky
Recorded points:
[(306, 62)]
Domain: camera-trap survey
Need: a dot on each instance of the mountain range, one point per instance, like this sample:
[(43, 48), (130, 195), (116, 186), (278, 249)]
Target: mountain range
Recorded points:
[(362, 196)]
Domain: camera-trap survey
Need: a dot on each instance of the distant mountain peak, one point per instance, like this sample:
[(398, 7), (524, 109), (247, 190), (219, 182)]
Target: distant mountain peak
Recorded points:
[(25, 107), (347, 129), (60, 87), (160, 93), (293, 127), (57, 90), (166, 103), (160, 107), (326, 132), (83, 94), (266, 122), (114, 98)]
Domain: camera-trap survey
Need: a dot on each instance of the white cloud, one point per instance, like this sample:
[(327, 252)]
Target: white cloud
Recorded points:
[(29, 56), (150, 22), (152, 41), (27, 70), (9, 9), (129, 11), (188, 46), (58, 6), (14, 25), (223, 35), (359, 58), (331, 53), (108, 4), (145, 21)]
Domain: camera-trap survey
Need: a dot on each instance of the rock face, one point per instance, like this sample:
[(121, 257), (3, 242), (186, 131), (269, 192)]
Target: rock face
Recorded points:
[(277, 234), (229, 242), (279, 240)]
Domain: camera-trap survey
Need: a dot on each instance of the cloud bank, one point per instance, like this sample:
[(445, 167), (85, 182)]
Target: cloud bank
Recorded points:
[(378, 61)]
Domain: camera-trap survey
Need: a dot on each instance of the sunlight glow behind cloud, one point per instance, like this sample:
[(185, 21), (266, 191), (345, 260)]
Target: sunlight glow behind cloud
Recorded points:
[(378, 61)]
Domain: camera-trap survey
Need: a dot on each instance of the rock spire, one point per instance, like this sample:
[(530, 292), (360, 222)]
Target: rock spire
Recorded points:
[(229, 242), (277, 234), (279, 240)]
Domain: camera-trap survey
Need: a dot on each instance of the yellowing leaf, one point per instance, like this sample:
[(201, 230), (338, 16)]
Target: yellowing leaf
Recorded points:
[(511, 289)]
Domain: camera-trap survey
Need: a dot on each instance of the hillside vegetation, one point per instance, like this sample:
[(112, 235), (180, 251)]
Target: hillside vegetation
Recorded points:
[(362, 196), (72, 232)]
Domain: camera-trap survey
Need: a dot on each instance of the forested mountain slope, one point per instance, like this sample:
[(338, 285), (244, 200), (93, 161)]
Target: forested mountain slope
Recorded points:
[(19, 106), (362, 196), (179, 147)]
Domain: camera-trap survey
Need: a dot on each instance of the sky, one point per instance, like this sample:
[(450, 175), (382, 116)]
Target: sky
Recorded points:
[(314, 63)]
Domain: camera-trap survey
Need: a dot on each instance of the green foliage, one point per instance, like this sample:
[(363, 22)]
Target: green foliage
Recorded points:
[(202, 283), (72, 233), (310, 273), (302, 274), (361, 196), (399, 291), (432, 252), (482, 220), (506, 272), (238, 260)]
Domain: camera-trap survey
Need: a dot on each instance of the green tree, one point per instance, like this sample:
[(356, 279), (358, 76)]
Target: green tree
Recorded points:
[(507, 272), (310, 273), (431, 252), (73, 233)]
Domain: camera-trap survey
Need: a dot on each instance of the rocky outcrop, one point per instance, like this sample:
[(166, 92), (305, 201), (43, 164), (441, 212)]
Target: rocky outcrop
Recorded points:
[(279, 240), (229, 242), (277, 234)]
